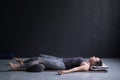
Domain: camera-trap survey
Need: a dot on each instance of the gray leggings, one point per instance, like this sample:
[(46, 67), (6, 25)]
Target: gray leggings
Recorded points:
[(50, 62)]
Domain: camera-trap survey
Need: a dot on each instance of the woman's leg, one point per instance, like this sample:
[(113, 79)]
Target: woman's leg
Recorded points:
[(54, 63), (49, 63), (31, 59), (31, 63), (22, 61), (34, 58), (14, 66), (31, 66), (19, 60), (47, 56)]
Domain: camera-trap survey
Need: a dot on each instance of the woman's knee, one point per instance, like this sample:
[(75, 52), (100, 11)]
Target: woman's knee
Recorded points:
[(36, 68)]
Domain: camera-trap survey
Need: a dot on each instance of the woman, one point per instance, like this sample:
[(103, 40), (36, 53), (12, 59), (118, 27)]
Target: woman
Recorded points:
[(65, 65)]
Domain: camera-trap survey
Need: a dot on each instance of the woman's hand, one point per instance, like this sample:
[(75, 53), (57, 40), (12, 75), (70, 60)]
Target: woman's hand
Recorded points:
[(61, 72)]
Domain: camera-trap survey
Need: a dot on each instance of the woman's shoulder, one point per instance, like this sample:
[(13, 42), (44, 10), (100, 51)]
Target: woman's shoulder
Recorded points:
[(85, 63)]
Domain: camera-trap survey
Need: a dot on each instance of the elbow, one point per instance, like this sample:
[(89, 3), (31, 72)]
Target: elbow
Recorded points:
[(85, 69), (75, 69), (79, 70)]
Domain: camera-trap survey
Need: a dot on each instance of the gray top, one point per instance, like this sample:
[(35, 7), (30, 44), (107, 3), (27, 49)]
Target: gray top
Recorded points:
[(73, 62)]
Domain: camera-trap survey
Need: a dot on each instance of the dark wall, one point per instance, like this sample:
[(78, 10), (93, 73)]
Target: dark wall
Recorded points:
[(62, 28)]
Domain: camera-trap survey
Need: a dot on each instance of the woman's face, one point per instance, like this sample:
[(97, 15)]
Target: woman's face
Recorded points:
[(94, 59)]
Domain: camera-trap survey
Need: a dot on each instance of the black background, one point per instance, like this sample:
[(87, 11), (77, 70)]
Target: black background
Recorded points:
[(63, 28)]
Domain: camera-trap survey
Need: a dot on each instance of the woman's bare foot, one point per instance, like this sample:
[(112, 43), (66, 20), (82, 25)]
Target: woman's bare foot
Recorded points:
[(19, 60), (14, 66)]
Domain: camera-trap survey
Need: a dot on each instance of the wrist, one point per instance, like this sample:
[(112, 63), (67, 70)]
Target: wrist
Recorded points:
[(64, 72)]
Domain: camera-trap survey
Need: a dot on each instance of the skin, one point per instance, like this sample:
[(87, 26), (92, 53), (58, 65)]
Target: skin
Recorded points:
[(84, 66)]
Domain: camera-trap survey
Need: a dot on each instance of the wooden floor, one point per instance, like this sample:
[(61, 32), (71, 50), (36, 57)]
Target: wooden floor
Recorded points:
[(113, 73)]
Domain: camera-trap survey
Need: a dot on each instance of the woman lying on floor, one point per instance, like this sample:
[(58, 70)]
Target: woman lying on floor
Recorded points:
[(65, 65)]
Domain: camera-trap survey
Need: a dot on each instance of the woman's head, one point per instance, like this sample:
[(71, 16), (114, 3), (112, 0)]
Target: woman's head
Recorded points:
[(96, 61)]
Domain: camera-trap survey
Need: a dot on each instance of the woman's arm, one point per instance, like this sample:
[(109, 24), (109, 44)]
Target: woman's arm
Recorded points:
[(84, 67)]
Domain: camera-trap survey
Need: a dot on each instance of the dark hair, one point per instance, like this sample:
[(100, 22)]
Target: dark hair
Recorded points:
[(98, 63)]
